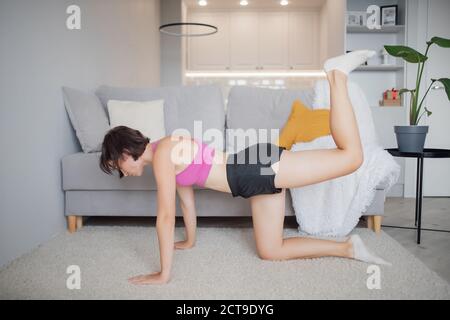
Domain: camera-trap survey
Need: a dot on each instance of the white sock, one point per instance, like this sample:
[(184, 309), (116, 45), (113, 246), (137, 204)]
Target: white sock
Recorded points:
[(348, 62), (362, 253)]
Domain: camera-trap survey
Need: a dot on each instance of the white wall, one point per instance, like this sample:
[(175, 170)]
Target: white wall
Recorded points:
[(183, 45), (118, 44), (171, 46), (429, 18)]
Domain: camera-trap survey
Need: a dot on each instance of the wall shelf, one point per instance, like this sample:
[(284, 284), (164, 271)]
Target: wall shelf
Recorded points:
[(375, 78), (384, 29), (387, 107), (380, 68)]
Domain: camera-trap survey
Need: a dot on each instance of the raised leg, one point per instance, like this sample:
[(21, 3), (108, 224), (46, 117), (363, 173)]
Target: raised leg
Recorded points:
[(72, 223), (297, 169), (268, 211)]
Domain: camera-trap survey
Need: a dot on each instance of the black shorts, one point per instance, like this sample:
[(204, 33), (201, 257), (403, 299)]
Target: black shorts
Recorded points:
[(249, 171)]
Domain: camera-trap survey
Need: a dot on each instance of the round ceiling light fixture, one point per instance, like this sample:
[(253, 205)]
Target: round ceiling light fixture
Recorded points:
[(194, 29)]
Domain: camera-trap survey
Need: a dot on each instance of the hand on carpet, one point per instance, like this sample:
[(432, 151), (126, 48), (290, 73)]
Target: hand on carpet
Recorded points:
[(154, 278)]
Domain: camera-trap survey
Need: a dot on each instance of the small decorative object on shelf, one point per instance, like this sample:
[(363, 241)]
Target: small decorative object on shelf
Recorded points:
[(391, 98), (389, 15), (385, 56), (356, 18)]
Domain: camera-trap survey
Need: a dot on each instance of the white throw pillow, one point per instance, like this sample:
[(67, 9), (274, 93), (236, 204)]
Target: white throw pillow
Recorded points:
[(145, 116)]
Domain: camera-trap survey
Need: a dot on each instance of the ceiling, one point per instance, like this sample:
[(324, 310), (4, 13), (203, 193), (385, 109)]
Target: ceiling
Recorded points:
[(255, 4)]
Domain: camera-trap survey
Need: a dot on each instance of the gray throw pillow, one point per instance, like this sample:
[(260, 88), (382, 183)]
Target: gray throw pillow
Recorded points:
[(88, 118)]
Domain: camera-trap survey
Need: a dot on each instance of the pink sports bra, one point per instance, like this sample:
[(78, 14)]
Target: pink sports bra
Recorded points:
[(197, 172)]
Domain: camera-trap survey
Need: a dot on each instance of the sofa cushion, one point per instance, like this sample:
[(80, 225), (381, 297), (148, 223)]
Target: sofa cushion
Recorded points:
[(87, 116), (259, 108), (183, 106), (304, 125), (145, 116), (81, 171)]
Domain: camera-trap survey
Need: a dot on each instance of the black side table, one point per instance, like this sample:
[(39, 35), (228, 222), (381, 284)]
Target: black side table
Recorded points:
[(427, 153)]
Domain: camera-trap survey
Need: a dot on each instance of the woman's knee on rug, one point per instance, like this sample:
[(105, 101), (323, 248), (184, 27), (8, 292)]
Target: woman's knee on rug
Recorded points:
[(269, 252)]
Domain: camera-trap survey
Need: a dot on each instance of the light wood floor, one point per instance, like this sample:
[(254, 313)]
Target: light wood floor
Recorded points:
[(434, 249)]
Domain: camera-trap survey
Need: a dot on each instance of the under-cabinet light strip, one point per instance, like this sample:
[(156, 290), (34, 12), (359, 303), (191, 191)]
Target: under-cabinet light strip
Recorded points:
[(211, 74)]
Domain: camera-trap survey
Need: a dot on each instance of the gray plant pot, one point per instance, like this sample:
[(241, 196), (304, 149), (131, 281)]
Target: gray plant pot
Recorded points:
[(411, 138)]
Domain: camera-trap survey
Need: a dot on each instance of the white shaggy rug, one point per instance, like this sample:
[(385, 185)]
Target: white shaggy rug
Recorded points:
[(223, 265)]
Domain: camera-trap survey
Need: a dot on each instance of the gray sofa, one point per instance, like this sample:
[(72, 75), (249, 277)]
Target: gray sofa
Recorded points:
[(90, 192)]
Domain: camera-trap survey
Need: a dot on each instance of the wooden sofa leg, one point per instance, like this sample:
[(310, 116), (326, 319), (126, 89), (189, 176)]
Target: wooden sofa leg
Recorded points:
[(72, 223), (370, 222), (79, 222), (377, 223)]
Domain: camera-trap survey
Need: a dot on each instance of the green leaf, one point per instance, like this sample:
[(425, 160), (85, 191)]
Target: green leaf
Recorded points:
[(407, 53), (441, 42), (446, 83), (429, 113)]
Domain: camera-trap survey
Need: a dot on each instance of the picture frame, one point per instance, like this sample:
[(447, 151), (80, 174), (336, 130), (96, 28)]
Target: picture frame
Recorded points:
[(363, 18), (389, 15), (356, 18)]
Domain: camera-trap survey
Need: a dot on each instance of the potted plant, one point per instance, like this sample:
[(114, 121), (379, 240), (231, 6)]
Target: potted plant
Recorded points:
[(412, 138)]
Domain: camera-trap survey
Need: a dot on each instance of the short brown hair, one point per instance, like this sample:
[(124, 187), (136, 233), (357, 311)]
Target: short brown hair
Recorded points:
[(119, 140)]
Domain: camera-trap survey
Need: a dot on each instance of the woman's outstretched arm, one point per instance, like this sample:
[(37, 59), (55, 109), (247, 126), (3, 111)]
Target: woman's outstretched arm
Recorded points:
[(164, 171), (186, 194)]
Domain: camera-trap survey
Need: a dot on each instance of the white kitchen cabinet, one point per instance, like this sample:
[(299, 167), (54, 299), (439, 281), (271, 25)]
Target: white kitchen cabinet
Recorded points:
[(256, 41), (244, 41), (210, 52), (273, 40), (304, 52)]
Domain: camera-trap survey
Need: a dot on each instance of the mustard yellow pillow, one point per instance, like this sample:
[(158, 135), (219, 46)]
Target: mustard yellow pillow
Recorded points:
[(304, 125)]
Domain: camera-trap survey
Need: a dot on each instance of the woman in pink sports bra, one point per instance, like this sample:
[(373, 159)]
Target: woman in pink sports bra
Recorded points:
[(197, 171), (180, 162)]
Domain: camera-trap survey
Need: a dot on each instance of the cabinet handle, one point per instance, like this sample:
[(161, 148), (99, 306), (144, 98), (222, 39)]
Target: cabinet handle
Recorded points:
[(261, 68), (292, 68), (257, 68), (227, 68)]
